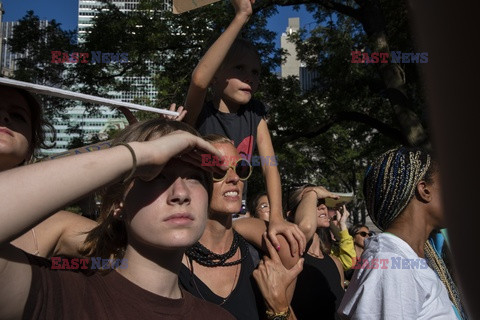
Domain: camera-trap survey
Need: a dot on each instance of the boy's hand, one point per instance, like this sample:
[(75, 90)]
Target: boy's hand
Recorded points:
[(293, 234), (243, 6), (181, 113)]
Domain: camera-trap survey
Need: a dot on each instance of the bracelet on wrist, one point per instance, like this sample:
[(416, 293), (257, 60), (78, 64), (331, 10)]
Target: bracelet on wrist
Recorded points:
[(134, 158), (283, 315)]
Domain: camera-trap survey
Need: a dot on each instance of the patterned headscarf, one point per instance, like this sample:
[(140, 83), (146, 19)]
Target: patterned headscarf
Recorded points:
[(390, 183)]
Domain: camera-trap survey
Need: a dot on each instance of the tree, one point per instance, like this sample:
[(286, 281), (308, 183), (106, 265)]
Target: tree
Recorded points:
[(35, 43), (326, 135)]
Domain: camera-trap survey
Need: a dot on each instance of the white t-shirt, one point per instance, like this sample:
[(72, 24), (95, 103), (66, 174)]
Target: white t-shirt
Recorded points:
[(398, 285)]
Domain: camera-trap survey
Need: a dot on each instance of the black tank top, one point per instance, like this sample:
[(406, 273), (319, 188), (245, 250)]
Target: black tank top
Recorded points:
[(318, 292), (242, 302)]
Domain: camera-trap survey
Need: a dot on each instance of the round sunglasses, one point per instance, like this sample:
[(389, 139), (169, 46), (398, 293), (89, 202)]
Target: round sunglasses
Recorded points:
[(242, 168)]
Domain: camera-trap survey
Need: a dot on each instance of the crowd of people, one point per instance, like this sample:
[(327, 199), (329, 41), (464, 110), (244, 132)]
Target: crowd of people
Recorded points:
[(166, 238)]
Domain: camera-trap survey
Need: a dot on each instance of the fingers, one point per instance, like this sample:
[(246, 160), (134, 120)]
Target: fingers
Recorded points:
[(272, 236), (301, 240), (296, 269), (182, 113), (273, 254)]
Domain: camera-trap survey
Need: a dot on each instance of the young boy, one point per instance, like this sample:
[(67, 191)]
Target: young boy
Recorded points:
[(231, 66)]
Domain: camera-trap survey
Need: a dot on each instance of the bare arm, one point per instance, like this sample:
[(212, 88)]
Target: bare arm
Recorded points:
[(61, 234), (277, 224), (30, 193), (252, 229), (208, 66), (306, 213)]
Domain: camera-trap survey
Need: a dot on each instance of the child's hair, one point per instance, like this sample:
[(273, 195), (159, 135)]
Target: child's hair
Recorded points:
[(240, 47), (109, 239), (39, 124)]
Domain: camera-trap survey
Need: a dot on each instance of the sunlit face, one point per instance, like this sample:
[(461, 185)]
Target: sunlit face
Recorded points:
[(262, 211), (15, 128), (171, 210), (238, 79), (359, 239), (227, 193), (323, 220)]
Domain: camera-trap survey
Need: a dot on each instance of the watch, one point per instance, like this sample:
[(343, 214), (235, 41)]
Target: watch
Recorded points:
[(284, 315)]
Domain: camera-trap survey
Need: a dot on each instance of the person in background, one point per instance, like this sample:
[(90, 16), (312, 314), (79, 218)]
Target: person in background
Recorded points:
[(319, 287), (359, 232), (22, 133), (342, 244), (402, 277), (260, 206)]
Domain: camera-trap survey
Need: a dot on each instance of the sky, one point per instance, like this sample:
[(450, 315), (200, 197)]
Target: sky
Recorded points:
[(66, 13)]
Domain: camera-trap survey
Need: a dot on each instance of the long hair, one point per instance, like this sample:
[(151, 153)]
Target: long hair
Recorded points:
[(109, 239), (39, 125)]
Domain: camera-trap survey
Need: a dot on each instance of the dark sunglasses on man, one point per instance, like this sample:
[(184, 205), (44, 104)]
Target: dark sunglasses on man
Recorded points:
[(242, 168)]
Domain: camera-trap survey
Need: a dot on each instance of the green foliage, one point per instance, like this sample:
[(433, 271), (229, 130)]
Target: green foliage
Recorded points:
[(326, 135)]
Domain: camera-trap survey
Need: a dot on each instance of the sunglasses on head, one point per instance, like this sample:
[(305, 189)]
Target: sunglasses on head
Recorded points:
[(242, 168), (364, 234)]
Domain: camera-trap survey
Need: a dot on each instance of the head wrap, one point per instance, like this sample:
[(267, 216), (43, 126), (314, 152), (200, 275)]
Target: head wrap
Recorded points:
[(390, 183)]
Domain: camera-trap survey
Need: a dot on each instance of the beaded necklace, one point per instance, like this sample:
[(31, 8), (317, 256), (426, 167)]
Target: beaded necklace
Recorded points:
[(208, 258)]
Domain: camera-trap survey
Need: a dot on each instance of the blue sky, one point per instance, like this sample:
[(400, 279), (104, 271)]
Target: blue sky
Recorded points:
[(66, 13)]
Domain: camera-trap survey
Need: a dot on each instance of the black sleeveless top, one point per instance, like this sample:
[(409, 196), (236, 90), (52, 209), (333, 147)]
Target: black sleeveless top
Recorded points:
[(318, 292), (243, 300)]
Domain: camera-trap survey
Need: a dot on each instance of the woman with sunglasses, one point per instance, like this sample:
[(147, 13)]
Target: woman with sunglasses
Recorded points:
[(359, 233), (219, 268), (319, 287)]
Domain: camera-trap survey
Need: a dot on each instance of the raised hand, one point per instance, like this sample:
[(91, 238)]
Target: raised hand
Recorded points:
[(154, 154)]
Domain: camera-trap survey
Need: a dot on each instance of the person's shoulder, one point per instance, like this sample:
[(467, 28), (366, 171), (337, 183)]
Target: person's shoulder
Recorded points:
[(205, 309)]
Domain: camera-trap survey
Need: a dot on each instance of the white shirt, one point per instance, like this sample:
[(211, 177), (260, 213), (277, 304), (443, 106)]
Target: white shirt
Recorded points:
[(402, 286)]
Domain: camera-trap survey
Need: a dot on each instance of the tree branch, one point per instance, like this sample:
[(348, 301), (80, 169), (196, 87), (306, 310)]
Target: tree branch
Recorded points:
[(340, 117), (327, 4)]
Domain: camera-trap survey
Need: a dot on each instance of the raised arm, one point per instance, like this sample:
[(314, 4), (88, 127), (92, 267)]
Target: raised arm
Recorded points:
[(30, 193), (306, 213), (277, 224), (208, 66)]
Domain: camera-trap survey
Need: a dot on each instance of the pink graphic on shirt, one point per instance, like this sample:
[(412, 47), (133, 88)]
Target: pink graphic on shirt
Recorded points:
[(245, 148)]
